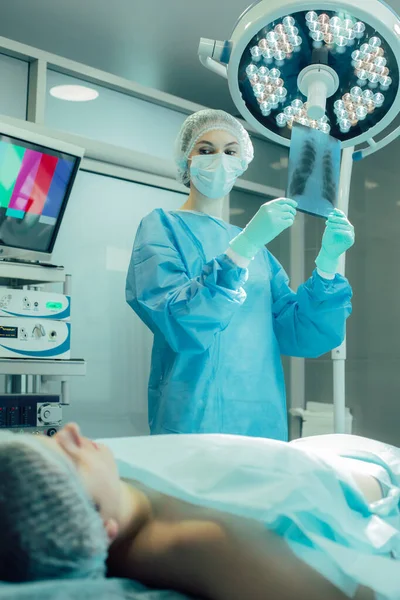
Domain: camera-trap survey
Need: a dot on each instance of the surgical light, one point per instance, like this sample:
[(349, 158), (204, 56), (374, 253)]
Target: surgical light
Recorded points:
[(316, 52)]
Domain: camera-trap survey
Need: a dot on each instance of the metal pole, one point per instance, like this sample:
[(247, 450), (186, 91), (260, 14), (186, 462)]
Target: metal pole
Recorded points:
[(37, 384), (8, 384), (65, 399), (339, 354), (297, 365), (67, 285), (24, 384)]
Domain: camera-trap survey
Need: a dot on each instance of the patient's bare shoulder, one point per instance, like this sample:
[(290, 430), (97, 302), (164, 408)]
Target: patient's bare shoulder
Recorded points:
[(213, 555), (364, 594)]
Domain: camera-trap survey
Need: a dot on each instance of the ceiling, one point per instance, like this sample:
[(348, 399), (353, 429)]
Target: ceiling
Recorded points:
[(153, 42)]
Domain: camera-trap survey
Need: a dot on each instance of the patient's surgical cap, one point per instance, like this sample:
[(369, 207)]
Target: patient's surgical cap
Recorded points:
[(49, 527), (200, 123)]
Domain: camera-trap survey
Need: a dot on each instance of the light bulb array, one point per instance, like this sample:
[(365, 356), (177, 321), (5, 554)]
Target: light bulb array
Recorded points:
[(335, 32), (355, 106), (278, 44), (370, 65), (296, 112), (268, 87)]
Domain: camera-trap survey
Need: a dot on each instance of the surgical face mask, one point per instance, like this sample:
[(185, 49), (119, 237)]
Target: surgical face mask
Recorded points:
[(214, 175)]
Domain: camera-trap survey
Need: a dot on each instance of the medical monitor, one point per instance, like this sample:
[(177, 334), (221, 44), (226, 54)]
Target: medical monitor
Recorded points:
[(36, 178)]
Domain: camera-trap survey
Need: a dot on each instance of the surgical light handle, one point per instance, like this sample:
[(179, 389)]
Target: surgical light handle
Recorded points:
[(317, 82), (211, 55)]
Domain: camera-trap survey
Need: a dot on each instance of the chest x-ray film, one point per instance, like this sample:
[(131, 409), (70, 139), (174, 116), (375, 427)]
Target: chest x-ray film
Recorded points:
[(314, 171)]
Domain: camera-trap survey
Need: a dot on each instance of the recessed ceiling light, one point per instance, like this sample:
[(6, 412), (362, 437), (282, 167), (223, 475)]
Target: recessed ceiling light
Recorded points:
[(74, 93), (236, 211)]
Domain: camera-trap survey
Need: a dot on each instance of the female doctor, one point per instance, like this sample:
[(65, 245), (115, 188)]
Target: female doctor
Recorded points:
[(219, 304)]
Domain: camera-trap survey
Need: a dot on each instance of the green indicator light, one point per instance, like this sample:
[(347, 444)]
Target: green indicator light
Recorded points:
[(54, 305)]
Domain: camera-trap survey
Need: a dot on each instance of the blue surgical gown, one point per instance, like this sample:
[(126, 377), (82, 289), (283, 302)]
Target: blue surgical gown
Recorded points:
[(219, 330)]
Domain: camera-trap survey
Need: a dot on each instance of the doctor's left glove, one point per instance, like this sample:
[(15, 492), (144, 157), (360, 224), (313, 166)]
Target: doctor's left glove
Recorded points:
[(337, 239)]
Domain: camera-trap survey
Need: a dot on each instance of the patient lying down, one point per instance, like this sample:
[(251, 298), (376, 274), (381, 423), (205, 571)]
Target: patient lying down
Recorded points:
[(65, 512)]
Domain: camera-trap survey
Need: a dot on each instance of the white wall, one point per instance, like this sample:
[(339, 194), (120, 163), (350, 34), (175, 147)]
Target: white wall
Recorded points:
[(94, 245)]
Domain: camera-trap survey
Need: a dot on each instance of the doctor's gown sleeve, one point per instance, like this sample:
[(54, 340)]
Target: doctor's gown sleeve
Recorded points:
[(188, 311), (312, 321)]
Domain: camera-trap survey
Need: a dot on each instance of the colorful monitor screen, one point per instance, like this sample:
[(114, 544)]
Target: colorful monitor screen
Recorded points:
[(35, 183)]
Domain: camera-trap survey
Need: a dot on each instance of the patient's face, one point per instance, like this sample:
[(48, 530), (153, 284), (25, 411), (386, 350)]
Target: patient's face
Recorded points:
[(95, 465)]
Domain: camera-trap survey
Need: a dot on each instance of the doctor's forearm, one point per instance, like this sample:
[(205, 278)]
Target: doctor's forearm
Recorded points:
[(329, 276)]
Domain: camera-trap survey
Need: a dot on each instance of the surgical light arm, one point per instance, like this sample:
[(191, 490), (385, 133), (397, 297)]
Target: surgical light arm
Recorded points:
[(375, 146), (211, 53)]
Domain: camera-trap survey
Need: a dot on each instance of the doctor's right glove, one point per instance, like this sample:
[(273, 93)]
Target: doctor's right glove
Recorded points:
[(337, 239)]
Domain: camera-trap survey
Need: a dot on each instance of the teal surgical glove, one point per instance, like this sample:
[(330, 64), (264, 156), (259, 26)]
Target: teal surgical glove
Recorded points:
[(338, 237), (271, 219)]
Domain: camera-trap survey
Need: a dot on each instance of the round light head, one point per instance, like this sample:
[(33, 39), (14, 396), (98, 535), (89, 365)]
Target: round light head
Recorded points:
[(358, 40), (74, 93)]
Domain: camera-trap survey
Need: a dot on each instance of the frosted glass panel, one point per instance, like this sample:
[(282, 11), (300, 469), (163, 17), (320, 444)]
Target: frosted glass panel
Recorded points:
[(14, 87), (270, 164), (94, 245), (115, 118)]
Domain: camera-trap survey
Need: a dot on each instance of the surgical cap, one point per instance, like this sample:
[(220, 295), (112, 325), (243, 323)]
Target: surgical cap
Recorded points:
[(49, 528), (200, 123)]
